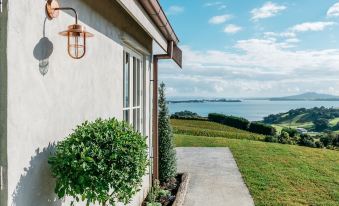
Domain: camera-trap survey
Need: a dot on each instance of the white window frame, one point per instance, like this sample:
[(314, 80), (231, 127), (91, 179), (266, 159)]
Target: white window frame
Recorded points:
[(136, 100)]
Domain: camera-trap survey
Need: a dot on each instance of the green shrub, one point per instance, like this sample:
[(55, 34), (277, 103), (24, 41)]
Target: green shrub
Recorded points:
[(321, 125), (98, 158), (237, 122), (291, 131), (271, 138), (284, 138), (157, 194), (327, 139), (167, 156), (260, 128), (188, 115), (335, 141), (215, 117), (319, 144), (306, 140)]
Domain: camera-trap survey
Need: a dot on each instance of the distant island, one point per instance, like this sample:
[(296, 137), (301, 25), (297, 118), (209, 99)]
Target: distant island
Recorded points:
[(202, 101), (309, 96)]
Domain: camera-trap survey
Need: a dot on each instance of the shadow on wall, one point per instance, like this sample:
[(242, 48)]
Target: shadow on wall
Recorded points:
[(36, 186), (42, 51)]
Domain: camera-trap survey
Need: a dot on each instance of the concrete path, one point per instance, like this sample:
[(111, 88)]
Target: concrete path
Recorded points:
[(215, 178)]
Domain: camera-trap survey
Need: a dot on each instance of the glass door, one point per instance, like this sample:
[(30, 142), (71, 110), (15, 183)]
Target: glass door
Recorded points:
[(133, 91)]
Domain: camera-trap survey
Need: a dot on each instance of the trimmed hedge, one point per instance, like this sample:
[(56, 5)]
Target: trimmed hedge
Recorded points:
[(242, 123), (260, 128), (100, 162), (237, 122)]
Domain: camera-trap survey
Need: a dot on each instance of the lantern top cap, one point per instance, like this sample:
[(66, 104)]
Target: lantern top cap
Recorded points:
[(76, 30)]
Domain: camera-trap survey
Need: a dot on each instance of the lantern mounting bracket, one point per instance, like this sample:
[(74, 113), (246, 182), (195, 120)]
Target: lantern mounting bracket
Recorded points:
[(53, 8)]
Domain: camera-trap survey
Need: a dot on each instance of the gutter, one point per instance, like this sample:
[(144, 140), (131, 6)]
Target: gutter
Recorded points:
[(155, 11)]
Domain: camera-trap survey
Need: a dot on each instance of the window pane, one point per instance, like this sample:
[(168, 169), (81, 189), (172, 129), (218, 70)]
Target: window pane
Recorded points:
[(138, 82), (139, 120), (135, 119), (126, 116), (135, 82), (126, 82)]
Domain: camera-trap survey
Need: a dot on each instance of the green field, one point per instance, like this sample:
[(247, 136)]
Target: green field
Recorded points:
[(293, 123), (211, 129), (275, 174)]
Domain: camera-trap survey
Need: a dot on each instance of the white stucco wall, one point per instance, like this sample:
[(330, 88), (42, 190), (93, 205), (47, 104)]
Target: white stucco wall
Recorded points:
[(46, 102)]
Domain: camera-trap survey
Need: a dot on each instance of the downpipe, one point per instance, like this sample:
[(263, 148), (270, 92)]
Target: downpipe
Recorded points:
[(156, 59)]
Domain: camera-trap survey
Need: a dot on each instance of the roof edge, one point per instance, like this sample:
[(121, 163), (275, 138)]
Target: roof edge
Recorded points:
[(155, 11)]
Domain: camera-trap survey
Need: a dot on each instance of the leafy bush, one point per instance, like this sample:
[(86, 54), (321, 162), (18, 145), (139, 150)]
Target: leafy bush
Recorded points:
[(101, 161), (167, 156), (188, 115), (284, 138), (306, 140), (157, 195), (271, 138), (335, 127), (327, 139), (237, 122), (335, 141), (291, 131), (215, 117), (260, 128), (321, 125), (319, 144)]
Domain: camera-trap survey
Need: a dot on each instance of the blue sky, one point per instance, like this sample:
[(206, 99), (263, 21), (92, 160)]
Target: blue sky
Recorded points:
[(242, 48)]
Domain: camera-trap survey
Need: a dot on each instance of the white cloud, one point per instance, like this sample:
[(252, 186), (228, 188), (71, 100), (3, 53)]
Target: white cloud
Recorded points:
[(174, 10), (292, 40), (283, 34), (333, 11), (260, 67), (312, 26), (269, 9), (232, 29), (219, 19), (216, 3)]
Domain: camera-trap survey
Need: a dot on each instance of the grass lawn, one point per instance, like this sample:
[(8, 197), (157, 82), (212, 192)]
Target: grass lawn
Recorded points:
[(278, 174), (211, 129)]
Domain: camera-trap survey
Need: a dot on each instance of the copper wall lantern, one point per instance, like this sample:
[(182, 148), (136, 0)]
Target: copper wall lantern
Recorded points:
[(76, 34)]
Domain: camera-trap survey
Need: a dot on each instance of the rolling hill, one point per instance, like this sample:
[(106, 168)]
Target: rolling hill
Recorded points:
[(310, 96)]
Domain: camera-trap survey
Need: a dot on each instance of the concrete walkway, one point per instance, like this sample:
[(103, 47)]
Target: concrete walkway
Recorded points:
[(215, 178)]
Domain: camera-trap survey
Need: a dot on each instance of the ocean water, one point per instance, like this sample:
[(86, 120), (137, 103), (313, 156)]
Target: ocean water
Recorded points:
[(253, 110)]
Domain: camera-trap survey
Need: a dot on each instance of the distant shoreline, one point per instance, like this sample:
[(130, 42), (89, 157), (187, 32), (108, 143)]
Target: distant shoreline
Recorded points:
[(252, 99), (203, 101), (316, 100)]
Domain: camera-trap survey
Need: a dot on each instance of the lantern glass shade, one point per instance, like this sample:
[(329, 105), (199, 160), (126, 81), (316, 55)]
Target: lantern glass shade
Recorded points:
[(76, 40)]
